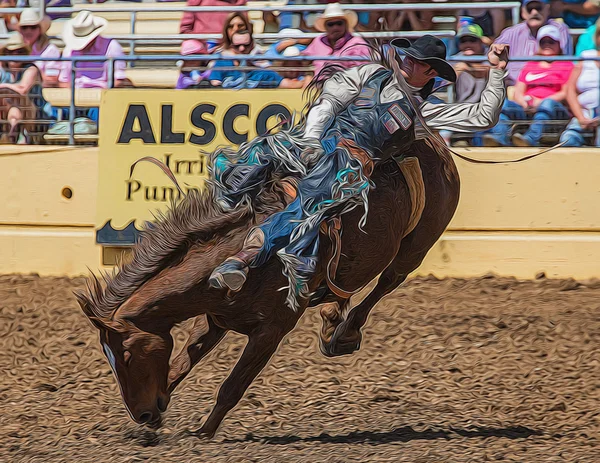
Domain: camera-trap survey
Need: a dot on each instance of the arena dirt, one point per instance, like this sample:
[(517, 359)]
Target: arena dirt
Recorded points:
[(488, 369)]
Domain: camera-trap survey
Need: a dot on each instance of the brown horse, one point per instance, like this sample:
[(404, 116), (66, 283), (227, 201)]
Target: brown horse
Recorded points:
[(165, 283)]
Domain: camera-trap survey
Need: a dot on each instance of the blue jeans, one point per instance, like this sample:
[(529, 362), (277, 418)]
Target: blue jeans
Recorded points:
[(548, 110), (575, 136)]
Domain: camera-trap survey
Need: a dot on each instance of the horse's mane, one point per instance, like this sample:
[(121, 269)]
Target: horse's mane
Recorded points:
[(197, 218)]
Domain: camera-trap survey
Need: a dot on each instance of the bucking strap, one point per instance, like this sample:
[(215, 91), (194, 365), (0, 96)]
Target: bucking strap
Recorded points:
[(411, 169)]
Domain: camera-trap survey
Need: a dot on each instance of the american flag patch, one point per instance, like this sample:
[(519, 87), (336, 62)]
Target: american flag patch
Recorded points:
[(389, 123), (400, 116), (367, 93)]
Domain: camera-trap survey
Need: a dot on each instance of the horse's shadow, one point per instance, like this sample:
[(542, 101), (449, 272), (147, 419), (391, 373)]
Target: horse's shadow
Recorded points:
[(404, 434)]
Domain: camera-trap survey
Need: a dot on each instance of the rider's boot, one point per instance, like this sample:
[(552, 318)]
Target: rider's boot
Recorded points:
[(232, 273)]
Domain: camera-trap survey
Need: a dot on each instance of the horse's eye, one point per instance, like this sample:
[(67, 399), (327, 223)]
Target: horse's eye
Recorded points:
[(126, 357)]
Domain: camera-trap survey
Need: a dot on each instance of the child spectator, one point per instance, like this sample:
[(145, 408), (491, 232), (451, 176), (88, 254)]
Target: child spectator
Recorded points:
[(33, 28), (539, 93)]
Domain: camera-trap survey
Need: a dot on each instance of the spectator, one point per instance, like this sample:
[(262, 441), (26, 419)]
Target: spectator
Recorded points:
[(471, 76), (289, 38), (206, 22), (241, 45), (11, 20), (576, 13), (582, 98), (491, 21), (22, 104), (35, 4), (587, 40), (189, 77), (407, 20), (33, 28), (82, 38), (337, 39), (522, 37), (539, 93)]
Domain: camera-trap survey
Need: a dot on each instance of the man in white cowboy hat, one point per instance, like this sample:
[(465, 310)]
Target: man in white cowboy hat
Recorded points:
[(363, 115), (82, 37), (337, 40), (33, 28)]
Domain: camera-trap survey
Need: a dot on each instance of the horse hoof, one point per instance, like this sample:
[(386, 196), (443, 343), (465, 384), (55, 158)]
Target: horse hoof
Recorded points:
[(341, 343), (202, 433)]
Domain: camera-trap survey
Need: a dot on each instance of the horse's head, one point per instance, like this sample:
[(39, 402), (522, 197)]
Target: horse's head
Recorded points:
[(140, 362)]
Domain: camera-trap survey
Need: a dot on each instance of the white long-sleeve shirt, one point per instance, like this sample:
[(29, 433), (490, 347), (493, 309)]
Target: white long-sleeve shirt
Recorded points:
[(342, 88)]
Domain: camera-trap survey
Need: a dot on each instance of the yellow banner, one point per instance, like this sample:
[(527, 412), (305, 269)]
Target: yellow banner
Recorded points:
[(177, 127)]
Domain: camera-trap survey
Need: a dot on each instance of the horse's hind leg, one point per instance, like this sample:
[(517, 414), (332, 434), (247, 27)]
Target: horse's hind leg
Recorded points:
[(204, 336), (261, 346)]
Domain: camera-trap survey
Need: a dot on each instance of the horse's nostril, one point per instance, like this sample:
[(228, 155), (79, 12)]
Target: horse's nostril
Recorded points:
[(145, 417), (162, 403)]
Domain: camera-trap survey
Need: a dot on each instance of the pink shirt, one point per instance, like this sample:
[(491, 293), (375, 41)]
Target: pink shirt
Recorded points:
[(114, 50), (542, 82), (210, 22), (349, 45)]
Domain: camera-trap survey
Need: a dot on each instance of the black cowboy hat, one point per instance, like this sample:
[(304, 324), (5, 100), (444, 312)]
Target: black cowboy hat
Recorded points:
[(430, 50)]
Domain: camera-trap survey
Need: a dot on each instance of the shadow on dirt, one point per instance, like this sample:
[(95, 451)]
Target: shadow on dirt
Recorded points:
[(404, 434)]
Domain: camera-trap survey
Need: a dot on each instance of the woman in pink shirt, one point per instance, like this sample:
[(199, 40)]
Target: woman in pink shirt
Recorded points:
[(337, 39), (539, 94)]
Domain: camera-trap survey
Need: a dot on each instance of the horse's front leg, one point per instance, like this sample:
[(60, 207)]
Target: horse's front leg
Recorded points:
[(346, 338), (204, 336), (258, 351)]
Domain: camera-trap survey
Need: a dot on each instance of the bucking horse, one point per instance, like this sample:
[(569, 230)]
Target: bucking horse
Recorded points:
[(164, 282)]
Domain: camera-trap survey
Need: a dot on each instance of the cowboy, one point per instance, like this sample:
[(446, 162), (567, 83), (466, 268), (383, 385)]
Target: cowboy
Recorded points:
[(337, 40), (359, 113), (82, 38)]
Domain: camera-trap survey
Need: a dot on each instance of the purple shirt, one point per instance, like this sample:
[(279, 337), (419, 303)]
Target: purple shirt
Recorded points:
[(523, 44)]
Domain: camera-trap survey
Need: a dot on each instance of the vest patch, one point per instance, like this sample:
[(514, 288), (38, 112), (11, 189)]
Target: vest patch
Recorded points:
[(389, 123), (399, 114)]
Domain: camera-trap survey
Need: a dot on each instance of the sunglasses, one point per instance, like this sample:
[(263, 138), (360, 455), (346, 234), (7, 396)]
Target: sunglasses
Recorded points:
[(20, 51), (30, 27), (535, 6), (334, 23), (547, 41)]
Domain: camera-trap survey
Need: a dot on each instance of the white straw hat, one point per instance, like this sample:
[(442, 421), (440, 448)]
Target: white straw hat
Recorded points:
[(31, 17), (334, 10), (82, 29), (14, 42)]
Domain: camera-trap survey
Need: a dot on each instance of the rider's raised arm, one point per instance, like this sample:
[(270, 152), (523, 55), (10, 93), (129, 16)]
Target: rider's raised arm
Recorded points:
[(468, 117), (338, 92)]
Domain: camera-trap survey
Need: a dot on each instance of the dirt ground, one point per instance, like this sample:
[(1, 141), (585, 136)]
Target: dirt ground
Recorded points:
[(488, 369)]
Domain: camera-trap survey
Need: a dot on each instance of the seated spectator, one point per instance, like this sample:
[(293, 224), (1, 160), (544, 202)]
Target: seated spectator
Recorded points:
[(539, 93), (522, 37), (241, 46), (49, 3), (587, 40), (407, 20), (288, 39), (11, 20), (82, 38), (582, 98), (33, 28), (491, 21), (202, 22), (189, 75), (337, 39), (576, 13), (471, 76), (22, 104)]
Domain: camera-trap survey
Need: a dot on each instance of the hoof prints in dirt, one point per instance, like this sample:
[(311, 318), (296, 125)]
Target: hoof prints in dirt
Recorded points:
[(455, 370)]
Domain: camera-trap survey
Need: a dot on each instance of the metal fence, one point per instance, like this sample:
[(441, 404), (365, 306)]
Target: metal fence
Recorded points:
[(110, 62)]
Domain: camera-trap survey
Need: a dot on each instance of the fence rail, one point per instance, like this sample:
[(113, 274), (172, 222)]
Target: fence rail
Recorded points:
[(171, 58)]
